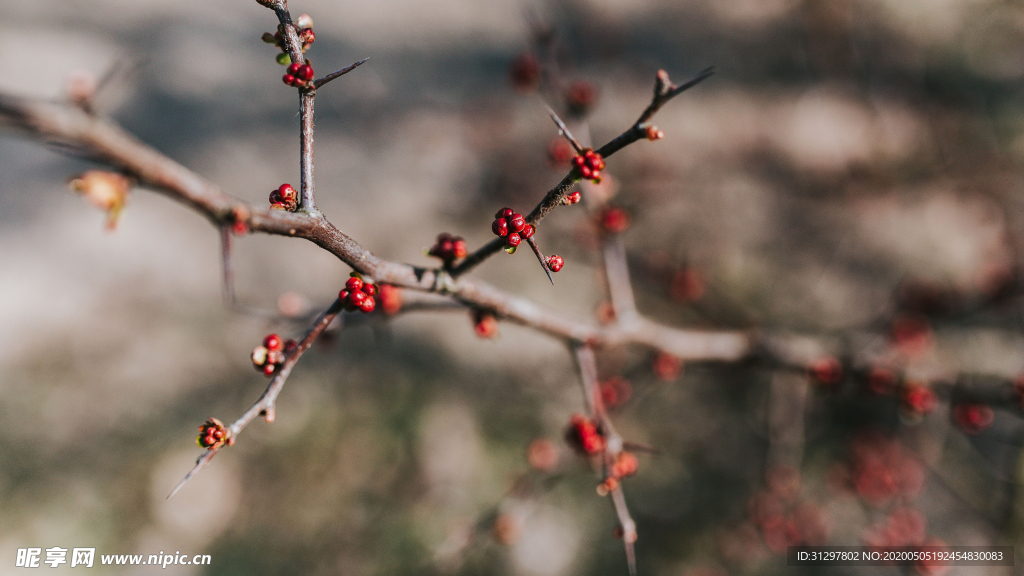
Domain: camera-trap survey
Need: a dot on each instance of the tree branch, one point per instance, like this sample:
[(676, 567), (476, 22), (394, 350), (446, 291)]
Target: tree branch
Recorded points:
[(265, 405)]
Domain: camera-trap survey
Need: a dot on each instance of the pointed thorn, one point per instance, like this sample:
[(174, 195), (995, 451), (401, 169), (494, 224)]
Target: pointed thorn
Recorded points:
[(564, 130), (342, 72), (200, 464), (540, 258)]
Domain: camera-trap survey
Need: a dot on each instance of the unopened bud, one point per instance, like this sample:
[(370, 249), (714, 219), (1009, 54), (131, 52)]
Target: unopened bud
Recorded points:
[(304, 21)]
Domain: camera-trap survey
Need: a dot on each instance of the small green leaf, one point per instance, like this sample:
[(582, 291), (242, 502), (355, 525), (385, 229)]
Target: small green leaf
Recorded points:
[(284, 59)]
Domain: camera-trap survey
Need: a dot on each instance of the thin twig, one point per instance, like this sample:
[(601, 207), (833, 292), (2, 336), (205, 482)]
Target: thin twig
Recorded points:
[(540, 258), (227, 267), (339, 73), (563, 130), (620, 288), (265, 405), (587, 364), (664, 92), (307, 192)]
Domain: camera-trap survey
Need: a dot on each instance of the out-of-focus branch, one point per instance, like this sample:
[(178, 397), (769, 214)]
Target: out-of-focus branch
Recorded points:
[(587, 364)]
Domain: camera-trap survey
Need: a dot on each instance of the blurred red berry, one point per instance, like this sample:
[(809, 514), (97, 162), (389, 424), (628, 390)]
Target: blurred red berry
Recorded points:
[(666, 366), (580, 97), (485, 324), (882, 381), (614, 220), (825, 370), (917, 399), (560, 153), (524, 72), (615, 391), (390, 298), (973, 418)]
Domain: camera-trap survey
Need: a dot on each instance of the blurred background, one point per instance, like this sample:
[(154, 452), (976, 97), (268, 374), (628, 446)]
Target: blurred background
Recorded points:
[(853, 173)]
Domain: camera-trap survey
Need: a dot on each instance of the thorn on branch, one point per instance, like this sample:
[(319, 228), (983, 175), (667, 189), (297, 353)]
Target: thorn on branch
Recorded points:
[(564, 130), (541, 259), (342, 72)]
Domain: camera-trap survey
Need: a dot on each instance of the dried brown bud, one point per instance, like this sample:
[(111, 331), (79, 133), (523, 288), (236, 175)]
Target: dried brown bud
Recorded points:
[(106, 190)]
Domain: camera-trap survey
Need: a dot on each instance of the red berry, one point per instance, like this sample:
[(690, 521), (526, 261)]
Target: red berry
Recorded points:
[(614, 220), (273, 342), (343, 295), (574, 198), (287, 193), (369, 289), (504, 213), (288, 79), (825, 370), (560, 152), (500, 227), (973, 418), (524, 72), (485, 324), (625, 464), (367, 304), (290, 346), (527, 231), (268, 369), (354, 284), (918, 399), (390, 298), (580, 96), (305, 72), (555, 262), (293, 68), (356, 298), (460, 249), (516, 223), (513, 240)]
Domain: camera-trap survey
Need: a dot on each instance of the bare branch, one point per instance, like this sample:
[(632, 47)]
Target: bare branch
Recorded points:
[(620, 288), (69, 125), (320, 82), (265, 405), (307, 192), (227, 266), (664, 91)]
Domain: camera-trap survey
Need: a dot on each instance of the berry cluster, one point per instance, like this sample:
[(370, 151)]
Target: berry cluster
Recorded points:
[(304, 28), (269, 357), (449, 248), (213, 435), (512, 227), (284, 198), (298, 75), (584, 436), (358, 295), (783, 517), (589, 165), (572, 198)]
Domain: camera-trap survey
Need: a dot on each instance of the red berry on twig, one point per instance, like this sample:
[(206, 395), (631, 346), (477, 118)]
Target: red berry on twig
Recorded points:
[(555, 262)]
